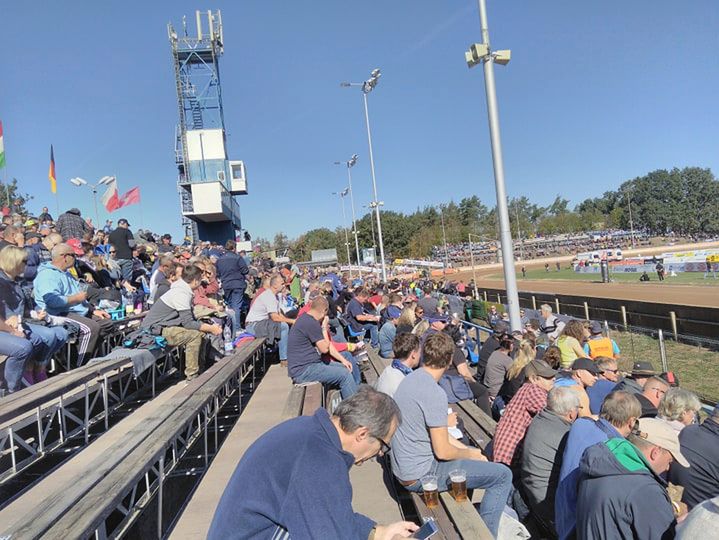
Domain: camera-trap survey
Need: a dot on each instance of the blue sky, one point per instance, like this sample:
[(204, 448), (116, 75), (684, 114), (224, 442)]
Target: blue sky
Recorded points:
[(596, 93)]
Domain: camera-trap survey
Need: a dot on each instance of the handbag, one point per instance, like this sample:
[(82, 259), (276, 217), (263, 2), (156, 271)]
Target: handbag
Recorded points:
[(456, 388)]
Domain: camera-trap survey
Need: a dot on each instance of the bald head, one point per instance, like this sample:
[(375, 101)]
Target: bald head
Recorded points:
[(655, 389)]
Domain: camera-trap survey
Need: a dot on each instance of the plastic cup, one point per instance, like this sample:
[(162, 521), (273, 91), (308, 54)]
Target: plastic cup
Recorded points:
[(458, 478), (430, 494)]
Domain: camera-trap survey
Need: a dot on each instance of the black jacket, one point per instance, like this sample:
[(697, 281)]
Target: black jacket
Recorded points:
[(700, 445), (231, 270)]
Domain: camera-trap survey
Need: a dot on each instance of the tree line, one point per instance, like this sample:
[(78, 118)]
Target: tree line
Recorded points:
[(681, 201)]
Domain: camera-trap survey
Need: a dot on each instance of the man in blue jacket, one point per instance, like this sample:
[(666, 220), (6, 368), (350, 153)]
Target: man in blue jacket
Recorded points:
[(231, 271), (306, 493), (621, 491), (619, 413), (59, 294)]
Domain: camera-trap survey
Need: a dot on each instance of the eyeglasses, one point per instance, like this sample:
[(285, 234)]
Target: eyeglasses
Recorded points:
[(384, 447), (111, 252), (69, 255), (610, 370)]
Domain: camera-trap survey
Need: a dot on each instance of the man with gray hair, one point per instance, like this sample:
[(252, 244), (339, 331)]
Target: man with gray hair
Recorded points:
[(620, 411), (304, 490), (542, 454), (265, 318), (551, 327)]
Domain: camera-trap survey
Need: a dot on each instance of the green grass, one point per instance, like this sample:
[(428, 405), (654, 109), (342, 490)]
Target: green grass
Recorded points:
[(696, 367), (565, 274)]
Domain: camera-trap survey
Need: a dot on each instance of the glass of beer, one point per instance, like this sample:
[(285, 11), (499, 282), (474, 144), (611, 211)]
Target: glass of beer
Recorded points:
[(429, 490), (458, 477)]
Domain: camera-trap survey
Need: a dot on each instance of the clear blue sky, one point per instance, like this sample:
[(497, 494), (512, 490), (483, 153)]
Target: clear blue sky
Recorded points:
[(596, 93)]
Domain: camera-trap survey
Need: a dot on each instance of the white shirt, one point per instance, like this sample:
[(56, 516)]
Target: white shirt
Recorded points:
[(389, 381), (263, 305)]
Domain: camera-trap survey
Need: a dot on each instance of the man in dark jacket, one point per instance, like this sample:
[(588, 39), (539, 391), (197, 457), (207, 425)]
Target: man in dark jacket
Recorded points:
[(324, 450), (621, 491), (123, 241), (542, 453), (489, 346), (71, 225), (700, 445), (231, 271)]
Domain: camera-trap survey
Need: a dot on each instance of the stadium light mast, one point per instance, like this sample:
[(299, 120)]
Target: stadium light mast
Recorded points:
[(482, 53), (367, 87), (351, 163), (631, 221), (444, 239), (342, 194)]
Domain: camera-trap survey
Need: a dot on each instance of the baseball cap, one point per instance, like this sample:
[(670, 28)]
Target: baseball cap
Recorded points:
[(586, 364), (643, 368), (167, 235), (659, 432), (393, 312), (123, 221), (436, 316), (542, 368), (595, 327), (76, 246)]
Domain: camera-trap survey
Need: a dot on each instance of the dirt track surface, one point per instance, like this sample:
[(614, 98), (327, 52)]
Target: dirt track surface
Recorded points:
[(682, 295)]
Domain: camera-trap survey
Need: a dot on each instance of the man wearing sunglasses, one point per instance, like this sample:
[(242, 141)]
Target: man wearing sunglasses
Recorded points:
[(606, 381), (59, 294)]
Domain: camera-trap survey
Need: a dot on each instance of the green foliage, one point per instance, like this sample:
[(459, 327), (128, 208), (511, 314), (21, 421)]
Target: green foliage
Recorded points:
[(9, 194), (683, 201)]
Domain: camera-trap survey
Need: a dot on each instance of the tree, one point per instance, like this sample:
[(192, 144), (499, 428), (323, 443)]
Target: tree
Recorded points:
[(280, 241), (10, 194)]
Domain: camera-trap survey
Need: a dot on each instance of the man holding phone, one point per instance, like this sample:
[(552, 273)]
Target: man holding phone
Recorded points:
[(293, 482)]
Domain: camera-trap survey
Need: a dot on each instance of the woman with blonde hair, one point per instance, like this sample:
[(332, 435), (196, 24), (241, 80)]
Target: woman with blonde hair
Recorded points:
[(516, 377), (407, 319), (570, 342), (16, 325)]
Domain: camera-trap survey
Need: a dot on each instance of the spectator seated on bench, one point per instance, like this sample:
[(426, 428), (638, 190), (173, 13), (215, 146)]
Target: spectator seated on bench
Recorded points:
[(359, 318), (305, 490), (388, 331), (58, 293), (265, 319), (308, 341), (171, 317), (422, 444), (407, 353), (28, 345)]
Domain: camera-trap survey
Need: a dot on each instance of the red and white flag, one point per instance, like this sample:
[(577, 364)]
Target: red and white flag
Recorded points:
[(131, 197), (110, 200)]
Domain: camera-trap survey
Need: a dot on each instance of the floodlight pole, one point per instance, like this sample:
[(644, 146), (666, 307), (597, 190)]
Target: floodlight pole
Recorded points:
[(375, 202), (474, 270), (444, 238), (342, 195), (350, 164), (510, 277)]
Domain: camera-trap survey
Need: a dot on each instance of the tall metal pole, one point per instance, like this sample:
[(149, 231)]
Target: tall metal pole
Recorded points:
[(631, 221), (474, 272), (374, 191), (354, 219), (444, 237), (97, 214), (510, 278), (344, 224)]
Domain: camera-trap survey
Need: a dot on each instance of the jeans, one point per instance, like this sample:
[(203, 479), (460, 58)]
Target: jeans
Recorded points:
[(373, 333), (125, 268), (52, 338), (356, 374), (234, 298), (18, 351), (338, 334), (494, 478), (332, 373)]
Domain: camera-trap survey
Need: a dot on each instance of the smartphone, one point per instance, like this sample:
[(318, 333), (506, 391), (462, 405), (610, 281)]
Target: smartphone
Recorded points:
[(425, 531)]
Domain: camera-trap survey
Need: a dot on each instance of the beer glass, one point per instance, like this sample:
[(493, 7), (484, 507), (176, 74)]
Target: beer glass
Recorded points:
[(458, 477), (429, 491)]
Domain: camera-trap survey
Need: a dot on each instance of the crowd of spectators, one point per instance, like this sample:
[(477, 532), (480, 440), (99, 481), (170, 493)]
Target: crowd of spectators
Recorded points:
[(580, 450), (461, 254)]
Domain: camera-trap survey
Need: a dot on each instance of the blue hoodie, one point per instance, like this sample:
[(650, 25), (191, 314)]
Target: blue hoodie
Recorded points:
[(584, 433), (52, 288), (620, 496)]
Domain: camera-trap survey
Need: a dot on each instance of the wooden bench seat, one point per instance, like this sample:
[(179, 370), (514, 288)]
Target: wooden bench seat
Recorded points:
[(264, 411), (78, 506)]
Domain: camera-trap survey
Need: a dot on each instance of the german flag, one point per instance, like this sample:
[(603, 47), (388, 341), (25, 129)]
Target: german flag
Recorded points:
[(51, 172)]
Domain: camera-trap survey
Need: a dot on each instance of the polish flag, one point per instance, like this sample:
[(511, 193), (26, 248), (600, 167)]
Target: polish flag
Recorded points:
[(110, 200), (131, 197)]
